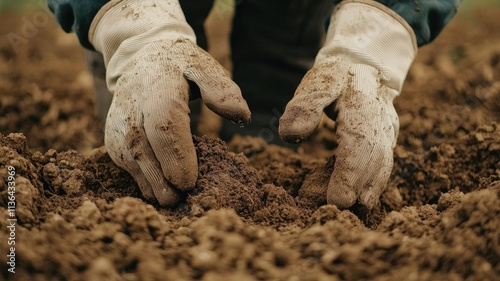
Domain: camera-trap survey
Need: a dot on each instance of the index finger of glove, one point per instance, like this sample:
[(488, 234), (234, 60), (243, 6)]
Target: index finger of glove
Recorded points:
[(319, 88), (219, 93), (374, 188), (364, 152), (146, 170), (128, 147), (166, 123)]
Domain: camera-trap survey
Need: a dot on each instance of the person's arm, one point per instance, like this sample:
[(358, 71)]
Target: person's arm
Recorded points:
[(150, 54), (76, 16), (360, 69), (427, 18)]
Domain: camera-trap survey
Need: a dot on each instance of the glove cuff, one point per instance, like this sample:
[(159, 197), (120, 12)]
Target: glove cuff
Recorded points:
[(367, 32), (122, 27)]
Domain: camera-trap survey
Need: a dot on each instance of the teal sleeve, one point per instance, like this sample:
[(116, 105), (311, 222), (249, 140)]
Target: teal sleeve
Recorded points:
[(426, 17), (76, 16)]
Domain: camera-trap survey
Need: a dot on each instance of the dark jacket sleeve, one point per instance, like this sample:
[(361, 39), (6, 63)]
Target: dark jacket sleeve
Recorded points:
[(426, 17), (76, 16)]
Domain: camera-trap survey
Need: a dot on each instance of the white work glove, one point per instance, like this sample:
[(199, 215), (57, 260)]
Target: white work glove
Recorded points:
[(356, 76), (150, 52)]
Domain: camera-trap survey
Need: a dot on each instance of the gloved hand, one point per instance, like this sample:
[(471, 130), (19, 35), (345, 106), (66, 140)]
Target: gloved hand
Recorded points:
[(150, 52), (357, 74)]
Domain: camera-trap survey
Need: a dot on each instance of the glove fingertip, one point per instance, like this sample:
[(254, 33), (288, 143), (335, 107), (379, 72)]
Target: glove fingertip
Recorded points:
[(168, 197), (341, 197), (184, 174), (368, 200), (370, 196), (228, 102), (237, 112), (298, 124), (145, 187)]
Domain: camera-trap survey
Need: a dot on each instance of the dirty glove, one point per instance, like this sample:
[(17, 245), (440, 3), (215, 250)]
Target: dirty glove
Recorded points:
[(150, 52), (357, 74)]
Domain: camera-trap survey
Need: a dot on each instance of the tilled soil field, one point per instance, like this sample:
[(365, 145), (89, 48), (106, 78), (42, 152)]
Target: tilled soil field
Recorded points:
[(80, 217)]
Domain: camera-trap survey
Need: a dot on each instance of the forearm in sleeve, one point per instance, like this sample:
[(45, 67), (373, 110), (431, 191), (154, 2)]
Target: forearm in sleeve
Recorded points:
[(426, 17), (76, 16)]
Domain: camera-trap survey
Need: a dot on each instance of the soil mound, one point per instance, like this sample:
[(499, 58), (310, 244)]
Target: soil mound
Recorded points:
[(255, 213)]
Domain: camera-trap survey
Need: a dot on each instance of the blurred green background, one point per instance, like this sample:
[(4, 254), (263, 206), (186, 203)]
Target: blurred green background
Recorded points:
[(5, 5), (467, 5)]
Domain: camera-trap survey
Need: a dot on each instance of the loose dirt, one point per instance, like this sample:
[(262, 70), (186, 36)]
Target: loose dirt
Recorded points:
[(80, 217)]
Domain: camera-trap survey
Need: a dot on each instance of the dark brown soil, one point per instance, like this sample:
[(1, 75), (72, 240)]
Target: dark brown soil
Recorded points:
[(80, 217)]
